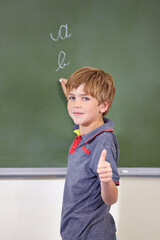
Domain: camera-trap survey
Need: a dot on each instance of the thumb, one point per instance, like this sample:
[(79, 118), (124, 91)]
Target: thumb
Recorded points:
[(103, 156)]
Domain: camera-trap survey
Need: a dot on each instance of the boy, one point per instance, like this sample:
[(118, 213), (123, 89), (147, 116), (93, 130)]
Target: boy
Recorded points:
[(92, 175)]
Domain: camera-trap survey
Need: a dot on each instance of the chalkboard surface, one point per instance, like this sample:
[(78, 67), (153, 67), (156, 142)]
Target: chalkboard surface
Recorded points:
[(43, 40)]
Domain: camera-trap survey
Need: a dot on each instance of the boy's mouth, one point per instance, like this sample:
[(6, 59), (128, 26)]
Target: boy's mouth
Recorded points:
[(77, 113)]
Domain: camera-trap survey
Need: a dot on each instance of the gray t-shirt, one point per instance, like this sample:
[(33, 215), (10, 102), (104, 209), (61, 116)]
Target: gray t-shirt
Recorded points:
[(84, 214)]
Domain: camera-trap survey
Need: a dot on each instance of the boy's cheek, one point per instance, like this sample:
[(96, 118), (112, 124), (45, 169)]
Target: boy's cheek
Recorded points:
[(68, 108), (70, 114)]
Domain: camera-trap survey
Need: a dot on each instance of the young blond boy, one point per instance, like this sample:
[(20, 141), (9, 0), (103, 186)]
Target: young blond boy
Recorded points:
[(92, 175)]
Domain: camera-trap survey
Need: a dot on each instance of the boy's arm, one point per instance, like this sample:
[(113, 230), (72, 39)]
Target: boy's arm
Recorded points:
[(109, 190), (63, 82)]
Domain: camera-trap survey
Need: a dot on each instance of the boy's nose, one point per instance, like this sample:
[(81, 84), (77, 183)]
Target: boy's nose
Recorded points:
[(77, 103)]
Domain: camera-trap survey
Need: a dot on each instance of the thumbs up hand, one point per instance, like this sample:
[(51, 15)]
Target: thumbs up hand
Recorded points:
[(104, 168)]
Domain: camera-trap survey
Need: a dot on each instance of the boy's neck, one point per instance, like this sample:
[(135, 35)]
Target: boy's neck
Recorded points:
[(91, 127)]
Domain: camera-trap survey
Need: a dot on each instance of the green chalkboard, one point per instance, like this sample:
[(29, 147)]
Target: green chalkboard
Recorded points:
[(43, 40)]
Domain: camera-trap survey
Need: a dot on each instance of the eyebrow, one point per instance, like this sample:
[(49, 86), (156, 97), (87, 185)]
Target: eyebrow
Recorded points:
[(81, 95)]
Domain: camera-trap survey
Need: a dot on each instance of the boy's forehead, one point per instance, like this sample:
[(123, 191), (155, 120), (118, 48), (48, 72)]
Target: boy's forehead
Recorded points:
[(79, 89)]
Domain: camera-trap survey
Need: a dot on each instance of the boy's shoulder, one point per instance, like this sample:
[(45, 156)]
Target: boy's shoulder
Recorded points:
[(103, 133), (103, 139)]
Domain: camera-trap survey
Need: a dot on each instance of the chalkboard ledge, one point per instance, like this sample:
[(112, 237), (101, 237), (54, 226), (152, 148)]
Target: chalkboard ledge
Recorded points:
[(61, 172)]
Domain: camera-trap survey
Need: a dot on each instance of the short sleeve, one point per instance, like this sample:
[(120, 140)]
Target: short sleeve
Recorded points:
[(109, 142)]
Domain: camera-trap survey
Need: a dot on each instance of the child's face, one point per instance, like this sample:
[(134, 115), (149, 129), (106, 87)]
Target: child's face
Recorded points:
[(84, 109)]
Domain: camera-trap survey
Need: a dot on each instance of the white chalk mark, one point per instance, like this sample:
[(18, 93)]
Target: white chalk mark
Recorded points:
[(60, 33), (61, 58), (54, 39)]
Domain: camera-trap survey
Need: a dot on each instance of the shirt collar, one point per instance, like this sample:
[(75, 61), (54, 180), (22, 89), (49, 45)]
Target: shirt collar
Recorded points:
[(108, 124)]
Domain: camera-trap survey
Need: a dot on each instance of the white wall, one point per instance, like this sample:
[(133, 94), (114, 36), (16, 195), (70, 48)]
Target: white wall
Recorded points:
[(31, 208)]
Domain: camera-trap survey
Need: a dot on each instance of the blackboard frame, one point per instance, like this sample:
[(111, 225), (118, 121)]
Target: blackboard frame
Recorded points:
[(61, 172), (123, 39)]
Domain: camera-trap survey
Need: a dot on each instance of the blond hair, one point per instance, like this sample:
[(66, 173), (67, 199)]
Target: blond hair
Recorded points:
[(97, 83)]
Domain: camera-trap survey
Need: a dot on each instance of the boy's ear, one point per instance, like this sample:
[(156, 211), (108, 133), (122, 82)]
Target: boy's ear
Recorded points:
[(104, 107)]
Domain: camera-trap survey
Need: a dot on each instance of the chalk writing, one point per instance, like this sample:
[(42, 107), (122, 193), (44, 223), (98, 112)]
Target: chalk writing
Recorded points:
[(61, 35), (61, 58), (66, 35)]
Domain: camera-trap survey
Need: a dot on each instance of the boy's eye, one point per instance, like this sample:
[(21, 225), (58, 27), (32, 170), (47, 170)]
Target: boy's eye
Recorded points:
[(71, 98), (86, 98)]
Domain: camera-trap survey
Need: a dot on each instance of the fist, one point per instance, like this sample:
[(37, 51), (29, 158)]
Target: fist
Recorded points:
[(104, 169)]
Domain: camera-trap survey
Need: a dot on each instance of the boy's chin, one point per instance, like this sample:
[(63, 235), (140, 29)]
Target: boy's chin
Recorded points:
[(76, 122)]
